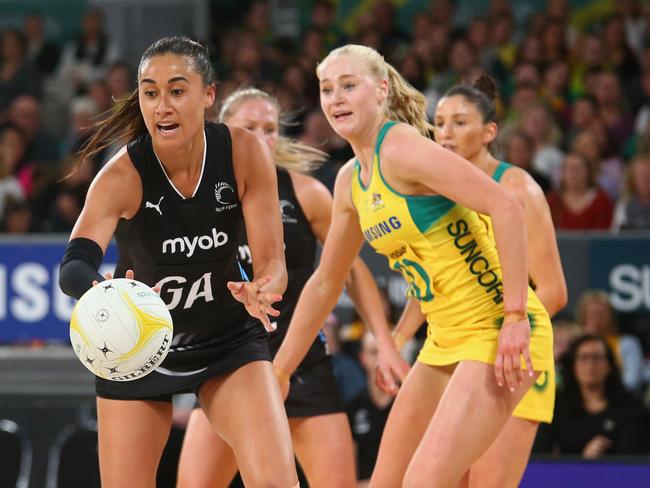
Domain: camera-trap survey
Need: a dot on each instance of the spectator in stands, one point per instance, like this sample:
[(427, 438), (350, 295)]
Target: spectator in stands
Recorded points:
[(43, 53), (519, 151), (17, 217), (501, 36), (17, 76), (83, 111), (608, 170), (613, 109), (478, 34), (595, 315), (555, 90), (67, 207), (323, 17), (594, 414), (463, 56), (385, 17), (622, 58), (525, 94), (413, 70), (589, 55), (248, 57), (554, 43), (257, 20), (99, 92), (442, 11), (632, 211), (583, 112), (120, 80), (313, 44), (537, 122), (527, 73), (579, 204), (12, 153), (58, 196), (368, 412), (530, 52), (438, 43), (88, 57), (25, 113), (9, 185)]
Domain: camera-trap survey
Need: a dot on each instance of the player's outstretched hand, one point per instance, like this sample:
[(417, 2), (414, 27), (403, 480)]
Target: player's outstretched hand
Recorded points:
[(514, 342), (256, 299)]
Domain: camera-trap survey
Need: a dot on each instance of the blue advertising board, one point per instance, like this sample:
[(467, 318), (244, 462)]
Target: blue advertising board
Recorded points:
[(33, 308), (622, 268), (31, 304)]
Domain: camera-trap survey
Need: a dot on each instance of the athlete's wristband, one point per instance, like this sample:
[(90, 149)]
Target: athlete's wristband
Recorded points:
[(514, 316), (79, 265)]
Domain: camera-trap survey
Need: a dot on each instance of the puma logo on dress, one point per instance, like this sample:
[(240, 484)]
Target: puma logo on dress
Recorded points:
[(156, 206)]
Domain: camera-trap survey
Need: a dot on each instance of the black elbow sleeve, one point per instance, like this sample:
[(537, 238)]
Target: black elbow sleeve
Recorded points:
[(79, 266)]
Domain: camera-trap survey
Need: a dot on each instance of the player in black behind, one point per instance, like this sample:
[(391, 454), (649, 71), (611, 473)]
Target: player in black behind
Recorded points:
[(176, 198), (319, 427)]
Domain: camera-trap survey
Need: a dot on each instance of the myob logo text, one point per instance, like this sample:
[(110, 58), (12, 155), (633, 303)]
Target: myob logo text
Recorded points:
[(187, 245)]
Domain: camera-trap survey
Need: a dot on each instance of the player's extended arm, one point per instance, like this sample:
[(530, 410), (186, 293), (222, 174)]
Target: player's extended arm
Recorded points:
[(363, 291), (316, 201), (111, 195), (322, 290)]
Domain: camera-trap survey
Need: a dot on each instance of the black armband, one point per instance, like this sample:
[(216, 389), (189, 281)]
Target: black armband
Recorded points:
[(79, 266)]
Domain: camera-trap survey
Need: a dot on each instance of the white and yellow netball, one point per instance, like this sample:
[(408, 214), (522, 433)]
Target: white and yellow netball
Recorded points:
[(121, 329)]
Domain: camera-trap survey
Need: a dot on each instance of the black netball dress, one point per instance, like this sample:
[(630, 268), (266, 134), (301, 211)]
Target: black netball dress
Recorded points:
[(313, 386), (188, 247)]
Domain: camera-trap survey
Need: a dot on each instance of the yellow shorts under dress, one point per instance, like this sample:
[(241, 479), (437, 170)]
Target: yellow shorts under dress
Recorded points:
[(478, 342)]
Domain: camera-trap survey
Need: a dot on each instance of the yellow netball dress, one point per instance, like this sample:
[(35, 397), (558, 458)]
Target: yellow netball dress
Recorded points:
[(444, 252), (537, 404)]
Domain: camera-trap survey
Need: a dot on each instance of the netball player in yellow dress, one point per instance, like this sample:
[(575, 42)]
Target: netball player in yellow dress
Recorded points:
[(418, 204), (465, 123)]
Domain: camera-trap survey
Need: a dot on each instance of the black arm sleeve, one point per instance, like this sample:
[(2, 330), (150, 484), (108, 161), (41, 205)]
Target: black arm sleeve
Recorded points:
[(79, 266)]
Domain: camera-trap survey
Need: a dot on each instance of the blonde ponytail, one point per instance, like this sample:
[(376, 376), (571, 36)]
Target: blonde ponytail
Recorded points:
[(289, 154), (404, 103), (297, 156)]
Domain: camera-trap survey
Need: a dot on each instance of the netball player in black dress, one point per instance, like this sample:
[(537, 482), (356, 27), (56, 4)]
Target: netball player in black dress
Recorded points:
[(177, 197), (320, 430)]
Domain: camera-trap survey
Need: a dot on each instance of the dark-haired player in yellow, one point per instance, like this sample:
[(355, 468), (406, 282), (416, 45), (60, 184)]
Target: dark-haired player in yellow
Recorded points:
[(465, 123)]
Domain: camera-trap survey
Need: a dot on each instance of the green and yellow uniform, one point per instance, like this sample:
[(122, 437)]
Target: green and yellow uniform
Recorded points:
[(447, 256)]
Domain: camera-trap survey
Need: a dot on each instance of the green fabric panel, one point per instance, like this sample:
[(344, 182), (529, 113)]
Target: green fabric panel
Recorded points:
[(426, 210)]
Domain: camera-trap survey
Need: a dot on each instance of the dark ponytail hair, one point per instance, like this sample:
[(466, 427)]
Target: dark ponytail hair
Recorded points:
[(481, 93), (125, 122)]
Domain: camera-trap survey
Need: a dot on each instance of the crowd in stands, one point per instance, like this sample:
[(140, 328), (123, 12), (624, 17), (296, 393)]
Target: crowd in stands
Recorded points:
[(574, 103), (574, 111)]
